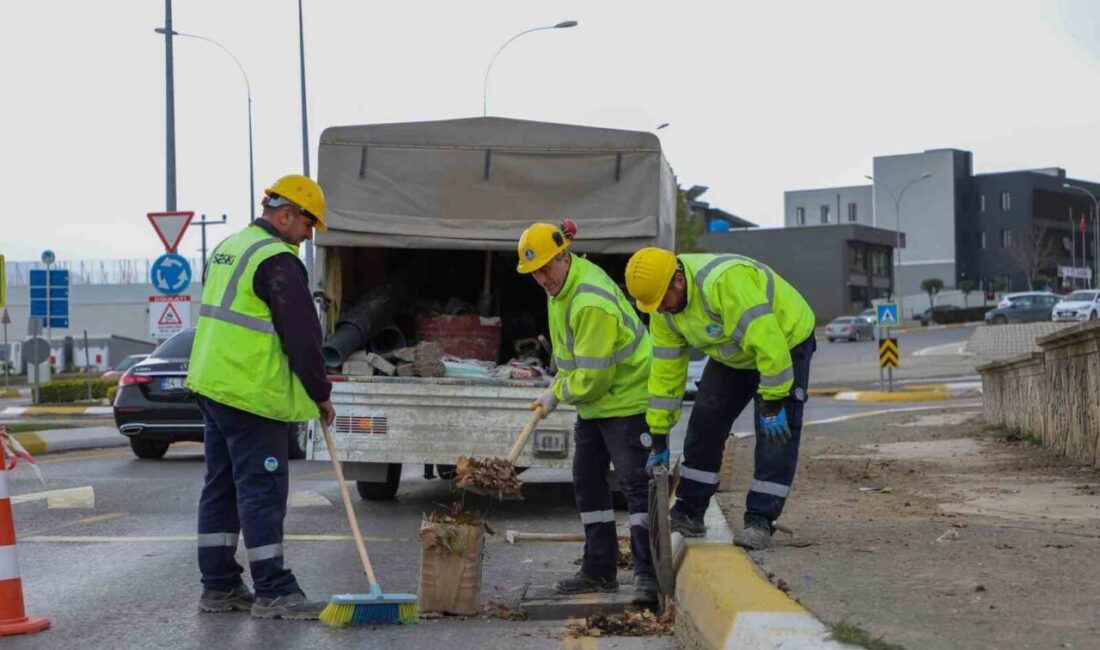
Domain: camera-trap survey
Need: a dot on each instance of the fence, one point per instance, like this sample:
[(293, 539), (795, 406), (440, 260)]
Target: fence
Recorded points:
[(1051, 394), (133, 271)]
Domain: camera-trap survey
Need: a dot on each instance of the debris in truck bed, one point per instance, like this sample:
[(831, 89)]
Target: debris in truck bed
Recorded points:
[(380, 364), (632, 622), (490, 474)]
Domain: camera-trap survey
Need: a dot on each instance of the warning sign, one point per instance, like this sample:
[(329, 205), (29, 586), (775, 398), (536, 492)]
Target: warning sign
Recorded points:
[(168, 315)]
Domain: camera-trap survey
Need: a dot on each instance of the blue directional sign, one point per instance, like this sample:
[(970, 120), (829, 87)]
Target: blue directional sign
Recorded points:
[(887, 314), (50, 297), (170, 274)]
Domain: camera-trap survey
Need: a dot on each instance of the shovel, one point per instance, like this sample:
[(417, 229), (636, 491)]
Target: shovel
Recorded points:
[(470, 468)]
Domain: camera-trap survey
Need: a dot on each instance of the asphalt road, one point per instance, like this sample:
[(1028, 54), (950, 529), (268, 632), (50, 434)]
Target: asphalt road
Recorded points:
[(112, 562), (925, 355)]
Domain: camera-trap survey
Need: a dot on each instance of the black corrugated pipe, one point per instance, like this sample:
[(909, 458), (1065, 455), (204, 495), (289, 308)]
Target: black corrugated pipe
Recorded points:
[(367, 318)]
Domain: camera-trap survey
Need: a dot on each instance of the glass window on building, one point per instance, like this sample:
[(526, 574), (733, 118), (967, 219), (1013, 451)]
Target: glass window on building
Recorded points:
[(800, 216), (981, 203), (1006, 239), (852, 215), (880, 263), (1006, 201), (824, 214), (982, 235), (857, 258)]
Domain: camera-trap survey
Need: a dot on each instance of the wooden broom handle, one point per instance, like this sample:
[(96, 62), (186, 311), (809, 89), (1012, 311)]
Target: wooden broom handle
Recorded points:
[(524, 435), (347, 506)]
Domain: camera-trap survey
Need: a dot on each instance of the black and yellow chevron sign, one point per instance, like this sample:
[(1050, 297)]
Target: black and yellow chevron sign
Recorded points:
[(888, 356)]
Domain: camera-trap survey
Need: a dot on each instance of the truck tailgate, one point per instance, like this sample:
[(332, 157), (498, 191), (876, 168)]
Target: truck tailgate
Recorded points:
[(422, 420)]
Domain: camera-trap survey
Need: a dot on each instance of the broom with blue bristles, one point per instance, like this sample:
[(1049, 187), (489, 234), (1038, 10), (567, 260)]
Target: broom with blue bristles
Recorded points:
[(374, 606)]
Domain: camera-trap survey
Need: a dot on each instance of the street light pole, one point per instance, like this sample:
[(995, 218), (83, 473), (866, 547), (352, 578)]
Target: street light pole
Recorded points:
[(897, 234), (1096, 227), (169, 113), (248, 92), (305, 130), (485, 85)]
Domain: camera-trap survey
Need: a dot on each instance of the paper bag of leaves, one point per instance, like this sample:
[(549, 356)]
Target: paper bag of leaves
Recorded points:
[(451, 546)]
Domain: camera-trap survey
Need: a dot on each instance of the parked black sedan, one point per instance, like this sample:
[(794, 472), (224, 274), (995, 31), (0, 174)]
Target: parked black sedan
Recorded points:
[(153, 406)]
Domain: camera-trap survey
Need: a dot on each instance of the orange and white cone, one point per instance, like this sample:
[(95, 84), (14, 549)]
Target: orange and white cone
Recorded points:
[(13, 618)]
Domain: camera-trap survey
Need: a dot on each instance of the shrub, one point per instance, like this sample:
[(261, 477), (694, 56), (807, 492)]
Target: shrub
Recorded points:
[(111, 392), (73, 390)]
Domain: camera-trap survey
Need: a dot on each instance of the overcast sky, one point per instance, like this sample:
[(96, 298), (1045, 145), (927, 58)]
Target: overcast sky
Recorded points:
[(762, 97)]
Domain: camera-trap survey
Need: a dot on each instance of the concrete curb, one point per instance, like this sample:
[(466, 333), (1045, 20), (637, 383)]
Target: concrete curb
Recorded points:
[(75, 411), (55, 440), (915, 393), (722, 600)]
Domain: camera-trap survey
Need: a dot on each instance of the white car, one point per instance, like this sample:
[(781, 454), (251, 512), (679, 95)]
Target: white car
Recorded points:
[(1077, 306), (871, 314)]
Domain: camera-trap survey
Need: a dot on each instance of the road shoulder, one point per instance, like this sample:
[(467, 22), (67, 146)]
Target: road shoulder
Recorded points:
[(958, 538)]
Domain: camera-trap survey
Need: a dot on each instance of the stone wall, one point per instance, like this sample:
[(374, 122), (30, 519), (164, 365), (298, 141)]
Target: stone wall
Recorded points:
[(1053, 394)]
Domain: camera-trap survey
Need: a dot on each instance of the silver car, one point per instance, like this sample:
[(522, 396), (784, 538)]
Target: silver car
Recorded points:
[(850, 328)]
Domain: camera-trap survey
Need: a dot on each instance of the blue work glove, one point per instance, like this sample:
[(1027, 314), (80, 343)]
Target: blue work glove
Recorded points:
[(773, 422), (658, 455)]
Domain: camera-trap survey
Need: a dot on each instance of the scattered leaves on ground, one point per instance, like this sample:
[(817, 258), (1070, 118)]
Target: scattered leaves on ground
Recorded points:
[(632, 622), (500, 609)]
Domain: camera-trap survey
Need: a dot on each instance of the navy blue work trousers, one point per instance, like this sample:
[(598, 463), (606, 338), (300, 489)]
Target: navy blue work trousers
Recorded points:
[(598, 443), (246, 490), (723, 394)]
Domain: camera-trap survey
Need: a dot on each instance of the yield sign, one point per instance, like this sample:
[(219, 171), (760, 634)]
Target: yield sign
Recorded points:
[(170, 227), (170, 316), (6, 320)]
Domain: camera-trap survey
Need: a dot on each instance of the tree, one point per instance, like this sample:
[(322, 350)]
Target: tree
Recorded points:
[(1001, 284), (688, 226), (1034, 252), (931, 286), (966, 286)]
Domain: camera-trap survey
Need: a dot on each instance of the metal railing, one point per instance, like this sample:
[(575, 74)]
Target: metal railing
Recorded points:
[(84, 272)]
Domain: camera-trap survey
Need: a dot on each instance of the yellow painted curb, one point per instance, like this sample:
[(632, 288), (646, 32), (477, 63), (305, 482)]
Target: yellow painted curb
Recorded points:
[(31, 441), (903, 396), (716, 583), (925, 387), (55, 410), (826, 392)]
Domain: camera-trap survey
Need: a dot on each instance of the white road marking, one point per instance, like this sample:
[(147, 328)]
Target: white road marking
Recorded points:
[(944, 350), (306, 499), (79, 498)]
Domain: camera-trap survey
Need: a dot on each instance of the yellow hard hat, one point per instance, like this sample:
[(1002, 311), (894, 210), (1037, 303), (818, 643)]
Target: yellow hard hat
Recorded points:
[(648, 274), (541, 242), (304, 193)]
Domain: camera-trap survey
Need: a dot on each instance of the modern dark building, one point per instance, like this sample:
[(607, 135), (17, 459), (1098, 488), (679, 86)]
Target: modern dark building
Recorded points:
[(998, 228), (716, 220), (838, 269)]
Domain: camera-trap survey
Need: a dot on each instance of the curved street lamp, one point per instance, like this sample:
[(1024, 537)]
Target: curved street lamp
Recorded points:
[(248, 91), (897, 212), (565, 24)]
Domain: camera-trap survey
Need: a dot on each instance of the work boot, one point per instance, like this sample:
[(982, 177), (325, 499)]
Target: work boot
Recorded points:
[(293, 606), (646, 585), (756, 535), (582, 583), (685, 524), (239, 599)]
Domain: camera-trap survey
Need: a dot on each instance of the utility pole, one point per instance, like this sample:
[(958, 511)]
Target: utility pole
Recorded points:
[(202, 224), (170, 113)]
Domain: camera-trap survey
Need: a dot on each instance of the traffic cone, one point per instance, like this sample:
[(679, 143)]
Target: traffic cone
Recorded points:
[(13, 618)]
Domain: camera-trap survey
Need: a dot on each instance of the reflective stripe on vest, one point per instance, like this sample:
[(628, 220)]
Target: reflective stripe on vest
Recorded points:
[(598, 363), (223, 312)]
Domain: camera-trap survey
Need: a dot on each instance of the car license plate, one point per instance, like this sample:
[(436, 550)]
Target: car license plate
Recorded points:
[(552, 444), (173, 383)]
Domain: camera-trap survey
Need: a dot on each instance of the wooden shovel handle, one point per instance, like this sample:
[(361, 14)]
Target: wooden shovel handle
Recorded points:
[(524, 435), (363, 557)]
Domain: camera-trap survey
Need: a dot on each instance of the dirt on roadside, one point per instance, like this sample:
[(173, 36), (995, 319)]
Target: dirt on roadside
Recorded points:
[(960, 539)]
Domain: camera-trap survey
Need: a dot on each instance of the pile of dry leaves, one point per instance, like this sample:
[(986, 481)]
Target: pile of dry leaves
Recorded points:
[(632, 622), (494, 475), (456, 515)]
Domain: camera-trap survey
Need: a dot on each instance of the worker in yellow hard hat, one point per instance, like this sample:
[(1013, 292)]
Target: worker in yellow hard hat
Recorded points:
[(603, 354), (757, 331), (257, 370)]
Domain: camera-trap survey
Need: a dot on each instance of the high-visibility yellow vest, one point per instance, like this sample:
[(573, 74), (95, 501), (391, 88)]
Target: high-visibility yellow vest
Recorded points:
[(237, 358), (741, 314), (601, 347)]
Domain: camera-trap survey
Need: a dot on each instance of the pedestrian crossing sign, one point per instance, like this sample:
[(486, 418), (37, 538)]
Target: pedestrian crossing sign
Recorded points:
[(888, 314)]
